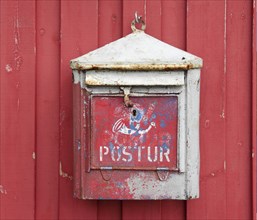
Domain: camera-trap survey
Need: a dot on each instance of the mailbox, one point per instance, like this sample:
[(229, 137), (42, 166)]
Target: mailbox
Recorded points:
[(136, 121)]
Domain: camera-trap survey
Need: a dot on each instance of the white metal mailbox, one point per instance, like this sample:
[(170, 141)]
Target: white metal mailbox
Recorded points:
[(136, 121)]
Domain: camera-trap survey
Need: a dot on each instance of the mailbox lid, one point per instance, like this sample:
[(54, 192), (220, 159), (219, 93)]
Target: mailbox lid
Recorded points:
[(143, 137), (137, 51)]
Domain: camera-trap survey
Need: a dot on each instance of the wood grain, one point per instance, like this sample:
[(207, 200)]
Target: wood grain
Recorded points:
[(79, 29), (47, 109), (17, 110)]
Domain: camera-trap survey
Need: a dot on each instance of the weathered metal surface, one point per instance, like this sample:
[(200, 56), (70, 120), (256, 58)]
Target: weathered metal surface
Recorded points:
[(131, 67), (124, 153), (137, 51), (143, 137), (135, 78)]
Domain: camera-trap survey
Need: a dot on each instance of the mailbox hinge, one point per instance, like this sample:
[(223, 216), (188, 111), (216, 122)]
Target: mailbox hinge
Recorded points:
[(106, 173), (163, 173)]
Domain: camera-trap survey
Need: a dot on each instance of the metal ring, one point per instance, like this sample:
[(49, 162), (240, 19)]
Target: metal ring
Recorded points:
[(133, 25), (136, 17)]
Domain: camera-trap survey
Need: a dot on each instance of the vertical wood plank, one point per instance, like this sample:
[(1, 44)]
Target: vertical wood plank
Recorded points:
[(109, 210), (79, 25), (143, 209), (205, 25), (110, 21), (173, 31), (153, 18), (47, 127), (17, 113), (109, 29), (238, 117), (173, 209), (254, 110), (174, 23)]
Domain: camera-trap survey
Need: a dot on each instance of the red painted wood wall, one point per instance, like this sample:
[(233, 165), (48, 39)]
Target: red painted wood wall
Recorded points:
[(37, 40)]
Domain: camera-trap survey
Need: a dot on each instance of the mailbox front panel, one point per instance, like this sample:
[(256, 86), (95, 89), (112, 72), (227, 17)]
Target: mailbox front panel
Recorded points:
[(143, 137), (148, 151)]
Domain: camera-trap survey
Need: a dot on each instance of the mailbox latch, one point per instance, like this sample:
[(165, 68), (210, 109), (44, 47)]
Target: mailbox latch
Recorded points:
[(128, 103)]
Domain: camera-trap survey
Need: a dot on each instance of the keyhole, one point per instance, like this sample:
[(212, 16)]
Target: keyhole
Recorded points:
[(134, 112)]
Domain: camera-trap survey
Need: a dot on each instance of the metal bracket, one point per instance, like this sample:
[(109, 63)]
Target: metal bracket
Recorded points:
[(106, 174), (163, 174)]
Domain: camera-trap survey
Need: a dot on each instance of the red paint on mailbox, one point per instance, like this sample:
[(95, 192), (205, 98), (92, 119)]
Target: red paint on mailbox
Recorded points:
[(143, 137), (125, 155)]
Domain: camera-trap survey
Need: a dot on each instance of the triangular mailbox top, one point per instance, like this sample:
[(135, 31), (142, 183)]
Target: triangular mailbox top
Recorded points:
[(137, 51)]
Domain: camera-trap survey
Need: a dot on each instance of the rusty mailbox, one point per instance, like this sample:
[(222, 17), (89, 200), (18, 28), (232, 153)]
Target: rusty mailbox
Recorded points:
[(136, 121)]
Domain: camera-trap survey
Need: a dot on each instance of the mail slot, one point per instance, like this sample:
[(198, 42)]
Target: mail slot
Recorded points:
[(136, 121)]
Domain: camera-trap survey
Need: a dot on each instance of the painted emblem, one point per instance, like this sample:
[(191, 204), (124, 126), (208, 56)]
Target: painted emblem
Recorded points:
[(131, 124)]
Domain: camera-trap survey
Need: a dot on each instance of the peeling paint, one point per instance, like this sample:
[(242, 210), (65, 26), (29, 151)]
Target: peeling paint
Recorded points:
[(33, 155), (8, 68), (137, 139), (18, 60), (207, 124), (18, 104), (63, 174), (62, 117), (222, 115), (142, 186), (3, 190)]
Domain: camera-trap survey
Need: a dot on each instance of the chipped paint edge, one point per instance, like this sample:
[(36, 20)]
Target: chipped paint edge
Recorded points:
[(134, 67), (63, 174)]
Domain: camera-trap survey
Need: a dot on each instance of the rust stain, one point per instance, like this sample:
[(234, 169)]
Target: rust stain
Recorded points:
[(63, 174), (133, 67), (207, 124), (94, 82)]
